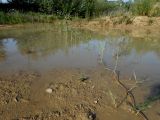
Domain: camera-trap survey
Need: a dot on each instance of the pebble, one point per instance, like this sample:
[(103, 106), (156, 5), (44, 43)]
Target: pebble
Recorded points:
[(95, 101), (92, 116), (15, 100), (49, 90)]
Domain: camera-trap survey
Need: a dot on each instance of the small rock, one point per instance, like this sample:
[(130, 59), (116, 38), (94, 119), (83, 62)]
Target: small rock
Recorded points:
[(49, 90), (18, 97), (92, 115), (96, 101), (15, 100)]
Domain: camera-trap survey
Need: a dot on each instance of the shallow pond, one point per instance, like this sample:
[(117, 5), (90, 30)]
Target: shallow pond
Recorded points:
[(44, 47)]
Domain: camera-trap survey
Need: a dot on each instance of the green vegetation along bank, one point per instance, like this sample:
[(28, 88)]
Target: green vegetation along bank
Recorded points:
[(22, 11)]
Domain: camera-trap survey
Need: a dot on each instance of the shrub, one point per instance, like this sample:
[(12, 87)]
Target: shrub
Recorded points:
[(17, 17), (155, 11), (141, 7)]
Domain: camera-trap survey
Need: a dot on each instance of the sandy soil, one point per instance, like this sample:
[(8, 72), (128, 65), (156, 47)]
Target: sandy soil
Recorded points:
[(140, 25), (66, 94)]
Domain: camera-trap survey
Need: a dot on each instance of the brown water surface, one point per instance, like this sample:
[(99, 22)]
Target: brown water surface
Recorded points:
[(70, 53)]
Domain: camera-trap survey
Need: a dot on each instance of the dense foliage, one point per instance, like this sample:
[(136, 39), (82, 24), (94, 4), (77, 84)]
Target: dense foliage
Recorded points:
[(80, 8), (146, 7), (85, 8), (16, 11)]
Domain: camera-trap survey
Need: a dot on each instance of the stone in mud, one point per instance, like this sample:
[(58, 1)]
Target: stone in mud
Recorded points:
[(18, 97), (15, 100), (92, 115), (96, 101), (49, 90)]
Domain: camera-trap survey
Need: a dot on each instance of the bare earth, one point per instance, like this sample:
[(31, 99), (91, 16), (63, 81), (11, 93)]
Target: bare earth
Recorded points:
[(140, 25), (27, 96)]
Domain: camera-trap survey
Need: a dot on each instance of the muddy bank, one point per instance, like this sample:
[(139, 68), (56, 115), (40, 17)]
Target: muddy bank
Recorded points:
[(135, 25), (66, 94), (7, 26)]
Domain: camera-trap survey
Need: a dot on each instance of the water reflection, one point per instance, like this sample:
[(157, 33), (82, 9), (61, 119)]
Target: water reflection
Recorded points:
[(2, 52), (48, 48), (135, 54), (44, 47)]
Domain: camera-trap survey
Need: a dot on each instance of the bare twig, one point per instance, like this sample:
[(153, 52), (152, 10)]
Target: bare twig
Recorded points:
[(129, 93)]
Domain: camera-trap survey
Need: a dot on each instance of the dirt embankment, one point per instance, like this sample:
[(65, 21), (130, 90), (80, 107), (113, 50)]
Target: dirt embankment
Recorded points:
[(131, 23)]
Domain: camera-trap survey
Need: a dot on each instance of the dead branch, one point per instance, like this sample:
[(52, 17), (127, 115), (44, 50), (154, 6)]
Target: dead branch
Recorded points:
[(129, 93)]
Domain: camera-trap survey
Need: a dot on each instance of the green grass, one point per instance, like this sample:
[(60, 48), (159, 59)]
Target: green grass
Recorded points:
[(146, 104), (146, 7), (17, 17)]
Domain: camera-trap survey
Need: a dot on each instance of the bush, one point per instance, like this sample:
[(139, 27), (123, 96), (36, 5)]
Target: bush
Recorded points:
[(146, 7), (141, 7), (16, 17), (155, 11)]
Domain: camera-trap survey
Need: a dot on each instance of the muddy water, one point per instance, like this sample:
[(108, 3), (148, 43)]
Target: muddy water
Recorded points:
[(45, 47), (48, 47)]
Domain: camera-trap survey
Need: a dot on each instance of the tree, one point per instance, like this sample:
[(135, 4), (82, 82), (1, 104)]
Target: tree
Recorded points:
[(45, 6)]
